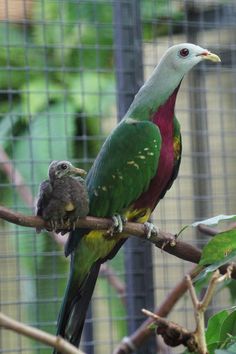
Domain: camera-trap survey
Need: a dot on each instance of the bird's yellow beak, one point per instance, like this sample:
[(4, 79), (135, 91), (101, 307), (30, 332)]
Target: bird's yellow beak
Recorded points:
[(210, 56), (79, 171)]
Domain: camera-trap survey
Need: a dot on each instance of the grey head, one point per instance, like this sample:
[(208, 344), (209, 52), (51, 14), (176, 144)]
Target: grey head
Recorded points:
[(62, 168)]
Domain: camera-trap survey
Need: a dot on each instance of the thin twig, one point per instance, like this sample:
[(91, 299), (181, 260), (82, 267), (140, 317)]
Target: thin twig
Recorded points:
[(199, 318), (209, 231), (53, 341), (172, 333), (142, 333), (192, 291), (215, 279), (201, 306)]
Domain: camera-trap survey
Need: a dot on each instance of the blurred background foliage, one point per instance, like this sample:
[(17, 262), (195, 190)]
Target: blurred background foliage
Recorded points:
[(56, 64), (57, 85), (58, 101)]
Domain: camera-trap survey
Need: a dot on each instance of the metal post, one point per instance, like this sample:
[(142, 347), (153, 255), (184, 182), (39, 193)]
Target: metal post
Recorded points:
[(200, 143), (199, 126), (129, 75)]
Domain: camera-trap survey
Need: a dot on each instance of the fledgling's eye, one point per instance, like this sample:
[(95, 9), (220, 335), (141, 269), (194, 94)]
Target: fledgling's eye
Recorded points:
[(184, 52), (64, 166)]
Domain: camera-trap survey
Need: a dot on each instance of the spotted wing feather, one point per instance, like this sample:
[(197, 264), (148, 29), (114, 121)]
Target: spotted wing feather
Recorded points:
[(124, 168)]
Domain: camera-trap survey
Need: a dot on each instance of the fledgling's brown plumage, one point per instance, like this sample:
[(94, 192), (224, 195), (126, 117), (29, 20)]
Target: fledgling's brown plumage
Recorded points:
[(63, 197)]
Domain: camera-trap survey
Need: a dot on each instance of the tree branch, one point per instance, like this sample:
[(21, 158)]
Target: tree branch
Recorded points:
[(173, 334), (162, 240), (201, 306), (209, 231), (53, 341), (142, 333)]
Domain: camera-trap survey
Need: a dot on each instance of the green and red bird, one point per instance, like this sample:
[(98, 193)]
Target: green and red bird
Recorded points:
[(136, 166)]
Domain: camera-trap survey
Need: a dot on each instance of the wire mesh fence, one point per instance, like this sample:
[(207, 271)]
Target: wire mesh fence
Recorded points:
[(68, 70)]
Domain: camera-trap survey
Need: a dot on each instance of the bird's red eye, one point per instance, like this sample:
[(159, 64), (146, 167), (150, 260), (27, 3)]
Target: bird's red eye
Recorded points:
[(63, 166), (184, 52)]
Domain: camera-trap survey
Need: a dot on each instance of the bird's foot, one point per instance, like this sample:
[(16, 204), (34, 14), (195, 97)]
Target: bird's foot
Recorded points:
[(169, 239), (59, 225), (72, 223), (65, 226), (53, 224), (118, 224), (151, 229)]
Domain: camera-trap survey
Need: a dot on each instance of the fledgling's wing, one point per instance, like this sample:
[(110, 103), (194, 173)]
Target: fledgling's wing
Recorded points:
[(44, 196)]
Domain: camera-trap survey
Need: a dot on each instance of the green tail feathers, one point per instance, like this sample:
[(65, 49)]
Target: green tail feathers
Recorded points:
[(76, 301)]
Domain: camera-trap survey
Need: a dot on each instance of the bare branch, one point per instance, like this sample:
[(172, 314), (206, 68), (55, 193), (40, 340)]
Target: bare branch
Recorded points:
[(142, 333), (162, 240), (209, 231), (172, 333), (201, 306), (215, 279), (192, 292), (53, 341)]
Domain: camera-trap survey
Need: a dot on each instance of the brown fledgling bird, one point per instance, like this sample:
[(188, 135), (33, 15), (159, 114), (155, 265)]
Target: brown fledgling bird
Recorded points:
[(63, 197)]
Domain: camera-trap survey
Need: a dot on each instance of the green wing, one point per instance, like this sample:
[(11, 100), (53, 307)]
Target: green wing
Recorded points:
[(124, 167)]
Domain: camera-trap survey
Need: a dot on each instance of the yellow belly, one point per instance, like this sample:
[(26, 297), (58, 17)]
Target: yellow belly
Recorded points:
[(104, 242), (69, 207)]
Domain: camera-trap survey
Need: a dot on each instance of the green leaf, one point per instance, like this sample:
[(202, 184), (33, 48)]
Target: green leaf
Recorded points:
[(78, 46), (220, 250), (215, 220), (152, 326), (212, 347), (219, 247), (211, 268), (8, 121), (232, 289), (50, 138), (14, 56), (232, 347), (93, 93), (228, 327), (221, 331), (214, 326), (37, 95)]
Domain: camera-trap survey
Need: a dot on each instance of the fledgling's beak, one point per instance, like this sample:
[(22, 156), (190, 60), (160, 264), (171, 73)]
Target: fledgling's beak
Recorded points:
[(210, 56), (78, 171)]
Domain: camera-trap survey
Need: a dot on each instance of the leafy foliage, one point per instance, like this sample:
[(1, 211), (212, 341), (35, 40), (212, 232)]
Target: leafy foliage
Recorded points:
[(221, 246), (221, 332), (56, 87)]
